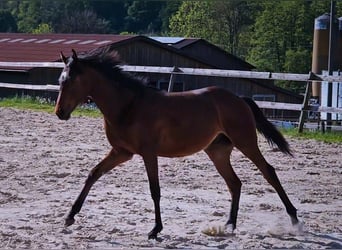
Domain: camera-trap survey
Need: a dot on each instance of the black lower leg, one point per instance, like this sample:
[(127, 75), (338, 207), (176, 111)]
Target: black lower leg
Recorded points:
[(234, 207), (113, 159), (272, 178), (151, 164), (76, 207), (158, 227), (232, 219)]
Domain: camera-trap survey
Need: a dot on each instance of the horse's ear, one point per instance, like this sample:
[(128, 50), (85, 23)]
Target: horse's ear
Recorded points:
[(63, 58), (74, 55)]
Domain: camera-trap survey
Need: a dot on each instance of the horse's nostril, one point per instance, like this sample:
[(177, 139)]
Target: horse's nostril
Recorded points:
[(61, 114)]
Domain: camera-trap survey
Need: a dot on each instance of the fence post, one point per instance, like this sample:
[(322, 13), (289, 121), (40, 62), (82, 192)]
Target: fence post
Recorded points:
[(304, 107), (175, 69), (170, 88)]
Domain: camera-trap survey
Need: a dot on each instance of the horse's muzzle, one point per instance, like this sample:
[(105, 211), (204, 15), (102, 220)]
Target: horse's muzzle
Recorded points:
[(62, 115)]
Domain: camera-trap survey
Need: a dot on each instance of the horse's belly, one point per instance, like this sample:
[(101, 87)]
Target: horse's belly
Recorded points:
[(179, 146), (174, 152)]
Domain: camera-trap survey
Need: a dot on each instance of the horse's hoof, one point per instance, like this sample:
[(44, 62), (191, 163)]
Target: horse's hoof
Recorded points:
[(69, 222), (294, 220), (154, 232), (230, 228), (153, 235), (299, 226)]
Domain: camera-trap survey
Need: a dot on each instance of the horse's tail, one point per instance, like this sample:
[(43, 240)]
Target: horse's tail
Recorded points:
[(267, 129)]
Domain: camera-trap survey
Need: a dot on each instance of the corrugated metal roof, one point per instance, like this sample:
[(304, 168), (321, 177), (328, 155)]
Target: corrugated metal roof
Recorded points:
[(185, 42), (19, 47), (167, 40), (181, 44)]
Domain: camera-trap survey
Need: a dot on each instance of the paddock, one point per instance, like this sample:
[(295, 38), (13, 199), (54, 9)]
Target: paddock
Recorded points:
[(44, 163)]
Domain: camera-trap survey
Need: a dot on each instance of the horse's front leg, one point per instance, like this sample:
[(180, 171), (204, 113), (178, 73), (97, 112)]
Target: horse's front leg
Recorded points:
[(113, 159), (151, 164)]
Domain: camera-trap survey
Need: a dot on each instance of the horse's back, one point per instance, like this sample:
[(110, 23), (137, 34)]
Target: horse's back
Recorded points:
[(212, 111), (225, 102)]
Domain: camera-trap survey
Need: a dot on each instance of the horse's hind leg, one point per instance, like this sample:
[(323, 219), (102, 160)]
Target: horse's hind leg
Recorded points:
[(109, 162), (248, 146), (219, 152), (151, 164)]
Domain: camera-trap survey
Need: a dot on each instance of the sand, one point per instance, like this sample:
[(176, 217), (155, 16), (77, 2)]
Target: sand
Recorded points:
[(44, 163)]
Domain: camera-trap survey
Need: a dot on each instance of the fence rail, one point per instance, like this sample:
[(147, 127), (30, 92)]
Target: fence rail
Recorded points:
[(48, 87), (198, 72), (261, 104), (308, 78)]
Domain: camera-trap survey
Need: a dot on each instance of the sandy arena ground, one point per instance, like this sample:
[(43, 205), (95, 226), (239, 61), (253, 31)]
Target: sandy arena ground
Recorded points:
[(44, 163)]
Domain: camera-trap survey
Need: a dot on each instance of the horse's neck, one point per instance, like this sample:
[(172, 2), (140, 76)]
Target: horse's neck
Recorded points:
[(110, 100)]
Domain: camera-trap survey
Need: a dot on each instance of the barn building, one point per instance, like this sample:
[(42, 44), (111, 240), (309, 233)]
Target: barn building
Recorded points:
[(134, 50)]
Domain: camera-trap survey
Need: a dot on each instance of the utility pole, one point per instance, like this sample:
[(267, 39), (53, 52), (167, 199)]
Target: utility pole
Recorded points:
[(332, 50)]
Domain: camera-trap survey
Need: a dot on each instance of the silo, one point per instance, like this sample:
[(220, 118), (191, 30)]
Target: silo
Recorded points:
[(339, 45), (320, 53)]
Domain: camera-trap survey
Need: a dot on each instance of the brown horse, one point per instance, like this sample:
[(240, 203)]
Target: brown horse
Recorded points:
[(151, 123)]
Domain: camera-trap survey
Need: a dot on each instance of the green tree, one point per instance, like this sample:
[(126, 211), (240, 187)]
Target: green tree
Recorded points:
[(138, 16), (7, 22), (84, 22), (284, 31), (43, 28), (57, 12), (63, 16), (296, 61), (165, 13), (232, 18), (11, 6), (283, 34), (112, 11), (270, 38), (193, 19), (28, 16), (143, 16), (220, 22)]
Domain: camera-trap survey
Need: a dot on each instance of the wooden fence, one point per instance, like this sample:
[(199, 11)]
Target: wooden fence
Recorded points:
[(308, 78)]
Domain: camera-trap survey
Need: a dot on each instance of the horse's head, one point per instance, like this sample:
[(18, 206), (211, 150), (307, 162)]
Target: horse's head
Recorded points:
[(73, 88)]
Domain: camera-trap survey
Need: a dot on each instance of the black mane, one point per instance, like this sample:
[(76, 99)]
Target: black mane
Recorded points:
[(108, 63)]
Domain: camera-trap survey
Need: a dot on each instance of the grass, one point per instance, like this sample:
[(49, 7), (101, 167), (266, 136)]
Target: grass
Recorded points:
[(328, 137), (45, 105), (27, 103)]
